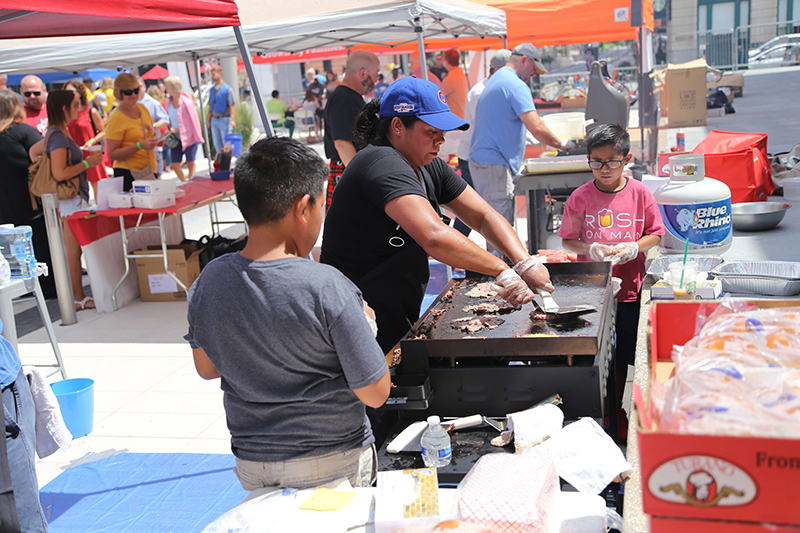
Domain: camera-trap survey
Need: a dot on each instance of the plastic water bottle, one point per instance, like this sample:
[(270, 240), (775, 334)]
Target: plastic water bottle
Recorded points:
[(680, 138), (435, 444), (17, 244)]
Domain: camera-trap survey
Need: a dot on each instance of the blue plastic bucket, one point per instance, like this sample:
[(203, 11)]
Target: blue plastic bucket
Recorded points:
[(76, 400), (236, 142)]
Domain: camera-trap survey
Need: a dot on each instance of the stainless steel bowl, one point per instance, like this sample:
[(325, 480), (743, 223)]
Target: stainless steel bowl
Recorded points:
[(758, 216)]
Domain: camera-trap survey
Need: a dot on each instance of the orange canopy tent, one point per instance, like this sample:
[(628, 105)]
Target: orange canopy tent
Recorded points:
[(549, 23)]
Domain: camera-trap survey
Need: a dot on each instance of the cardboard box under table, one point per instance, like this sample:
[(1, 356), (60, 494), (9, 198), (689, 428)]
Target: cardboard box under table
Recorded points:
[(755, 479), (157, 284)]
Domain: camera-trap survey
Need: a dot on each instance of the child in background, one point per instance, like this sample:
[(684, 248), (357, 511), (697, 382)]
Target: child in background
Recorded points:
[(287, 335), (616, 219)]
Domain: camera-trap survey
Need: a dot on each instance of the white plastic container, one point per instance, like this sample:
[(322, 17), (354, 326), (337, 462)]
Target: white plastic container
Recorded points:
[(566, 126), (695, 207), (791, 188)]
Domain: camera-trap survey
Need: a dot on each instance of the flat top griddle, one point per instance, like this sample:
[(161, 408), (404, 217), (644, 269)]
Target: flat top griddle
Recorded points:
[(519, 334)]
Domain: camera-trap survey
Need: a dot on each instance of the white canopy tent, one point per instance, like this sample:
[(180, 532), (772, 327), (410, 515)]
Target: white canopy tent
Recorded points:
[(266, 28)]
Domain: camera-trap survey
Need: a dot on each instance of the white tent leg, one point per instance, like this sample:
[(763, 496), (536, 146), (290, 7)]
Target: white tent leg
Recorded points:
[(203, 117), (248, 65), (421, 48)]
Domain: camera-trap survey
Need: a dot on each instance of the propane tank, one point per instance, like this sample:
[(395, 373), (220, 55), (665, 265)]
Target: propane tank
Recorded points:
[(695, 207)]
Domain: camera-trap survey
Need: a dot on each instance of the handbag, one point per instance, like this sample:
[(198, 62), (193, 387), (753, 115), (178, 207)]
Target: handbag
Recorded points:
[(172, 140), (41, 180)]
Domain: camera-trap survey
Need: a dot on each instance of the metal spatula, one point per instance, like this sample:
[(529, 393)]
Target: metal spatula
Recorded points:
[(550, 305)]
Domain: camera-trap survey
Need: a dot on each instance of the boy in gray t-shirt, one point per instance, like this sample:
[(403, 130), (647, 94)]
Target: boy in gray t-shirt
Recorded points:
[(297, 359)]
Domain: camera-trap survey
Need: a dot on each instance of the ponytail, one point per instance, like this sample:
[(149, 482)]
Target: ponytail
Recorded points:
[(369, 126)]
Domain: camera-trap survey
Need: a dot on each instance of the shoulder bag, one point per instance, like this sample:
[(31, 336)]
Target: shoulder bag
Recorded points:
[(41, 180)]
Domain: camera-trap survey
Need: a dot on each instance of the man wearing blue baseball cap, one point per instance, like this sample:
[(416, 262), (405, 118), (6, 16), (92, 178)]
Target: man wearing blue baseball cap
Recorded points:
[(505, 110), (386, 217)]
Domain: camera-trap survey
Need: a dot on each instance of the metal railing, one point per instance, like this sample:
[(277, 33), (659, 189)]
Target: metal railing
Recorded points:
[(730, 48)]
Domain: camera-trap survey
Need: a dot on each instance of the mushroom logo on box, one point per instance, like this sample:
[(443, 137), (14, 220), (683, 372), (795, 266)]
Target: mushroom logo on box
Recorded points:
[(702, 481)]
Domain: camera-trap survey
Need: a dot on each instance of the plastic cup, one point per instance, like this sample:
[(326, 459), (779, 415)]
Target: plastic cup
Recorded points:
[(684, 279), (94, 148)]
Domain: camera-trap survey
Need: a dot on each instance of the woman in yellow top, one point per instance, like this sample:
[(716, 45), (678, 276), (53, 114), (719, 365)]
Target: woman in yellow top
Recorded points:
[(130, 137)]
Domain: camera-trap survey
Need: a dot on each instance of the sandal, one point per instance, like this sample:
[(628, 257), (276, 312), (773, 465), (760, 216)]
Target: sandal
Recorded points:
[(86, 303)]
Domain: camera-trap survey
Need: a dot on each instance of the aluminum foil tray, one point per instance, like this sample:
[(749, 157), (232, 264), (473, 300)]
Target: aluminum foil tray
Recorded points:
[(769, 278), (659, 266)]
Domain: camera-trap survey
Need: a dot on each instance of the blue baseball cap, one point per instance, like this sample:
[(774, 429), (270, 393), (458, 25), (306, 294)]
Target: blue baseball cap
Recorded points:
[(414, 97)]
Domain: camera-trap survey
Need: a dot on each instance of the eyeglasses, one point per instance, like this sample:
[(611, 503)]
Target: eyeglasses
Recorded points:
[(128, 92), (614, 163), (32, 93)]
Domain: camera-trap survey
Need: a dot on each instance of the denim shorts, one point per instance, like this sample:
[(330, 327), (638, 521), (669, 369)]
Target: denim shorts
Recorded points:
[(176, 154), (359, 466)]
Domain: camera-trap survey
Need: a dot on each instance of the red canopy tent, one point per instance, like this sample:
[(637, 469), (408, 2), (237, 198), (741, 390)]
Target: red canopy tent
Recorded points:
[(156, 73), (20, 19), (29, 19)]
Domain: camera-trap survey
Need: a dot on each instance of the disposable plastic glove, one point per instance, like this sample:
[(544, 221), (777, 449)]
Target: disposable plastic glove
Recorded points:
[(567, 144), (624, 252), (599, 252), (534, 273), (513, 289)]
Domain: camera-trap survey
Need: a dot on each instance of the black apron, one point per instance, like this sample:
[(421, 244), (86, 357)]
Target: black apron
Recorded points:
[(395, 290)]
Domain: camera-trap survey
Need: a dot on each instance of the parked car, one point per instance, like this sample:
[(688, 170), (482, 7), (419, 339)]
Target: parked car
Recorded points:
[(792, 38), (777, 56)]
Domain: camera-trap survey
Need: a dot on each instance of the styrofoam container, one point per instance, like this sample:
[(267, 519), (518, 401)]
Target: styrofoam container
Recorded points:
[(791, 188), (153, 187), (155, 201)]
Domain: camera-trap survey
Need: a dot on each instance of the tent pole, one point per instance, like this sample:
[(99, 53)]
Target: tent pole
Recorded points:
[(248, 65), (203, 115), (421, 48)]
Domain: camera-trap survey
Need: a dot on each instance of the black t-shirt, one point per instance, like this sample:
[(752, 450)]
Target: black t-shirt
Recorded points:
[(15, 201), (359, 235), (340, 115)]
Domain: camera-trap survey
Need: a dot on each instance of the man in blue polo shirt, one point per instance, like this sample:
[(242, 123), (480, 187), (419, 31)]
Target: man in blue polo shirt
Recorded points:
[(222, 109), (505, 110)]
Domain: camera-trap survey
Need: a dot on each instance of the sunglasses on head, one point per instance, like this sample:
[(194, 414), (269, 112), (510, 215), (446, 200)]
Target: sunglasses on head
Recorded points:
[(128, 92), (32, 93)]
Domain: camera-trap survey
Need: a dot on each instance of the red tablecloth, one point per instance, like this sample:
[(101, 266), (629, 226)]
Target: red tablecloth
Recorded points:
[(88, 226)]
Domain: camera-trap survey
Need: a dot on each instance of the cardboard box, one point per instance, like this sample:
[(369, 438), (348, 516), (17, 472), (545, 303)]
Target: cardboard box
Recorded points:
[(734, 80), (671, 525), (706, 290), (155, 285), (683, 93), (573, 102), (753, 479), (153, 187)]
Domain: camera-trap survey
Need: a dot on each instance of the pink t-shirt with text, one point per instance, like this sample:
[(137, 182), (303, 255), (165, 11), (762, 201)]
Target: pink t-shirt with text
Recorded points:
[(592, 215)]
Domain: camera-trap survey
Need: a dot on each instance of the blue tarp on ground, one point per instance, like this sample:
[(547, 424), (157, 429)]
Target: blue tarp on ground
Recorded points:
[(147, 492)]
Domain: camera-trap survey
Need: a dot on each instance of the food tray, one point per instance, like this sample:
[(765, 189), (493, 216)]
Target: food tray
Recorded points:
[(769, 278), (659, 266)]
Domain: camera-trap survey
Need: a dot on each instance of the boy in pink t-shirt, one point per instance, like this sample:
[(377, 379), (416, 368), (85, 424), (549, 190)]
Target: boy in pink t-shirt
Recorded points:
[(614, 218)]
